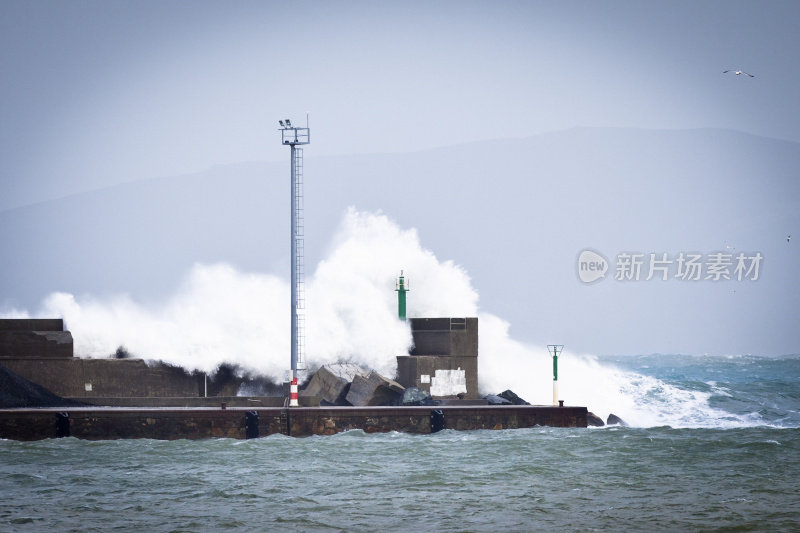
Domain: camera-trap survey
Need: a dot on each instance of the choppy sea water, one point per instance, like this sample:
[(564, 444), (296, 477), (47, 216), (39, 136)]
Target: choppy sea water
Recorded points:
[(733, 463)]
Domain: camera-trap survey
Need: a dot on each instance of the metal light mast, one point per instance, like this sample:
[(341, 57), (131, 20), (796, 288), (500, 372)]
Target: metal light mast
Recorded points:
[(294, 137)]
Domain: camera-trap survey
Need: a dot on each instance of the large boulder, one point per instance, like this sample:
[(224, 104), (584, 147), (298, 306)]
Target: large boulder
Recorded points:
[(416, 396), (494, 399), (332, 382), (594, 420), (615, 420), (513, 398), (373, 389)]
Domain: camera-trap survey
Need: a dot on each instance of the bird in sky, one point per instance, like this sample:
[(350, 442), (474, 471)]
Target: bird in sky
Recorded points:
[(788, 238), (738, 73)]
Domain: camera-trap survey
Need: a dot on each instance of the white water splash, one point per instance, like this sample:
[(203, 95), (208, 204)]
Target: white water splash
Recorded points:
[(221, 315), (641, 401)]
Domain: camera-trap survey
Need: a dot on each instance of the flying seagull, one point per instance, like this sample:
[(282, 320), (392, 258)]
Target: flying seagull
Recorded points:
[(788, 238), (738, 73)]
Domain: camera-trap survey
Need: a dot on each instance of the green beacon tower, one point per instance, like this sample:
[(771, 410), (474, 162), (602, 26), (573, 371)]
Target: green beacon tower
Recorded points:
[(401, 288)]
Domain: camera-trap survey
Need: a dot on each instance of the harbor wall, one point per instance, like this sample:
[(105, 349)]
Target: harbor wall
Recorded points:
[(74, 377), (239, 423)]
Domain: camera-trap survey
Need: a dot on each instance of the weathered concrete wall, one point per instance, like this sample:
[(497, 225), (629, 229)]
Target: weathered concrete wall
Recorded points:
[(327, 421), (31, 337), (448, 344), (445, 336), (412, 369), (250, 402), (105, 377), (163, 424), (60, 376), (168, 424), (331, 420), (41, 351)]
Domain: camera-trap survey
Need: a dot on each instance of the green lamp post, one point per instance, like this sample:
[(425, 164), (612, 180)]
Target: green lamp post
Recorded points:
[(401, 288)]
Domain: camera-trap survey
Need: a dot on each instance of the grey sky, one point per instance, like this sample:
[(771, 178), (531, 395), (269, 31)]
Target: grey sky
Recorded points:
[(95, 93)]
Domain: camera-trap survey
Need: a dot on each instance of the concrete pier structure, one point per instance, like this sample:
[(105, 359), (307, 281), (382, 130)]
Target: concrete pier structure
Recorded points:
[(43, 338), (93, 423), (140, 399), (444, 360), (41, 351)]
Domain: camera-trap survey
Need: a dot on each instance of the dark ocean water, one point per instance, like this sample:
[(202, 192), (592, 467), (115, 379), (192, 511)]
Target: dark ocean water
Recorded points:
[(732, 463)]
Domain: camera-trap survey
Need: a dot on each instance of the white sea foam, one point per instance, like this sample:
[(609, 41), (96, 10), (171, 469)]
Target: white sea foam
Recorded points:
[(640, 400), (222, 315)]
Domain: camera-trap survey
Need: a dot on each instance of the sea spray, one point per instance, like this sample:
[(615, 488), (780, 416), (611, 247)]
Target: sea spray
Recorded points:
[(352, 306), (222, 315), (217, 316)]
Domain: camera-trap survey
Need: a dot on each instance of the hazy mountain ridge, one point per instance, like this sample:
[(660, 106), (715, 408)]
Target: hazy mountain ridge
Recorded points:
[(513, 213)]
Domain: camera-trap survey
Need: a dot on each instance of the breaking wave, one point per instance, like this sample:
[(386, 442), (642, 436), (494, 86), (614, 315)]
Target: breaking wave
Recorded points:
[(221, 315)]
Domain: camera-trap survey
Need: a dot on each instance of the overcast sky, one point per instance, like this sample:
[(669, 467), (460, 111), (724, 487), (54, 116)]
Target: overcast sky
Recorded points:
[(95, 93)]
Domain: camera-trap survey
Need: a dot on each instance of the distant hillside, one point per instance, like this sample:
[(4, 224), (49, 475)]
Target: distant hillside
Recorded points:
[(514, 213)]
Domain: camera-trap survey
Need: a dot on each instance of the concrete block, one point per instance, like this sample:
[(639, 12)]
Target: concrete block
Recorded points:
[(445, 336), (14, 343), (373, 389), (464, 337), (331, 382), (34, 337), (512, 397)]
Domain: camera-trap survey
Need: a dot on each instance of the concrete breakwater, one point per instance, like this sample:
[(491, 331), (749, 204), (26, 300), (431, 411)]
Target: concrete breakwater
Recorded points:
[(109, 423), (46, 392)]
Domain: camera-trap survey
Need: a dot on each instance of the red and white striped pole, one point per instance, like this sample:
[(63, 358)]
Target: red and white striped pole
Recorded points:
[(293, 391)]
